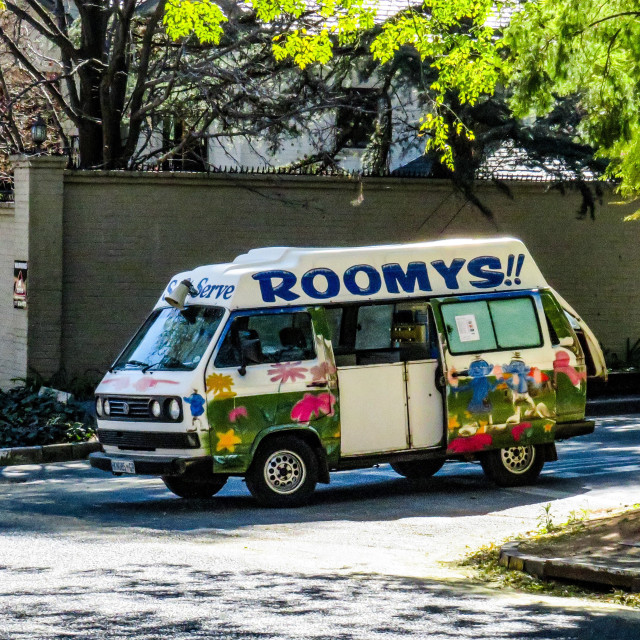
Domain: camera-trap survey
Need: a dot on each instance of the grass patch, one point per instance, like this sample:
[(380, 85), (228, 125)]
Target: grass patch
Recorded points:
[(485, 561)]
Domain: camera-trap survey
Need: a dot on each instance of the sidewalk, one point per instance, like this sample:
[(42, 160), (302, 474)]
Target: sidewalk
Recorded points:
[(49, 453), (603, 551), (613, 406)]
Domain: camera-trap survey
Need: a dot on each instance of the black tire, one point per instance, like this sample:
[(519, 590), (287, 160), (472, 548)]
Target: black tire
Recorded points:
[(418, 469), (284, 472), (193, 487), (513, 466)]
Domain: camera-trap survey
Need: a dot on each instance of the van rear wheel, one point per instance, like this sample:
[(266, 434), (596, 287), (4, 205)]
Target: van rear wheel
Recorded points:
[(188, 487), (418, 469), (284, 472), (513, 466)]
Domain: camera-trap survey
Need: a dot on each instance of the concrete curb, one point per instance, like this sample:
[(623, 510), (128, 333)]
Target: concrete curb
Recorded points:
[(47, 453), (567, 569), (613, 406)]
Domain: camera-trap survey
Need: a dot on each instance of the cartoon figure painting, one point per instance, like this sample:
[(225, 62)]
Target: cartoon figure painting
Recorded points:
[(562, 365), (481, 386), (520, 375), (197, 403)]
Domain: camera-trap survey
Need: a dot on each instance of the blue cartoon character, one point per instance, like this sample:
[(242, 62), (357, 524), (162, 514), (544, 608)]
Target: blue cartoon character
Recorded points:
[(481, 387), (197, 403), (518, 377)]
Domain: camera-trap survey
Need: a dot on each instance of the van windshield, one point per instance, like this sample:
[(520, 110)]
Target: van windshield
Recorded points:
[(171, 339)]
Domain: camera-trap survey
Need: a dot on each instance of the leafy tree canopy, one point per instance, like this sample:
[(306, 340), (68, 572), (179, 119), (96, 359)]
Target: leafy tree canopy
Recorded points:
[(589, 50), (451, 36)]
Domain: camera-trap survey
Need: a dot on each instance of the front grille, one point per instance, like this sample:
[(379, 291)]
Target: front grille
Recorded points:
[(138, 408), (130, 407), (148, 440)]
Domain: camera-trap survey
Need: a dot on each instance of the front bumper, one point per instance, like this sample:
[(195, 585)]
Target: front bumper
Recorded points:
[(156, 466)]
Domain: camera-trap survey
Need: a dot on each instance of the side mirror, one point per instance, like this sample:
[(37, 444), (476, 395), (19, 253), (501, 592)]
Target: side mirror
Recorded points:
[(250, 353)]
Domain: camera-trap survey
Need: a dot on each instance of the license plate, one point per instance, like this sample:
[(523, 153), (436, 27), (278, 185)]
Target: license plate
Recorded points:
[(123, 466)]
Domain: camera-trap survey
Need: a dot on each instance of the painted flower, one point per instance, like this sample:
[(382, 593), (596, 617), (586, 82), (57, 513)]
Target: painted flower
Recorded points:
[(286, 371), (468, 445), (228, 441), (225, 395), (313, 406), (483, 426), (234, 414), (453, 423), (219, 383), (519, 429), (322, 371)]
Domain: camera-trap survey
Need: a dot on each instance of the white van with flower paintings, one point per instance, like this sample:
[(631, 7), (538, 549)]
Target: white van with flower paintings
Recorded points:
[(288, 363)]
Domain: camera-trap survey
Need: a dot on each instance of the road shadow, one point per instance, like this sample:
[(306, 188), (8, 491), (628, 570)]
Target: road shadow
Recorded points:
[(177, 601), (73, 496), (369, 495)]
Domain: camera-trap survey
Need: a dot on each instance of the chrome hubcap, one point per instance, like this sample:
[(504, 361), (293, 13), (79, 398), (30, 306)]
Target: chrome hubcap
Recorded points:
[(284, 472), (518, 459)]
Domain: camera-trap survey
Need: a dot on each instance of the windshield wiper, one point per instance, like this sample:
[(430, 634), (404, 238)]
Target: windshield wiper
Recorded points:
[(169, 363), (136, 363)]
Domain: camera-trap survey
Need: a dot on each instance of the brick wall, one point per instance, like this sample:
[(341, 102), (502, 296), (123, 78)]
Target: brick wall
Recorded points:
[(126, 234), (13, 322)]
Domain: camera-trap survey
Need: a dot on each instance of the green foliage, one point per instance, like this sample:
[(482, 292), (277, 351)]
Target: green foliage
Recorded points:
[(74, 431), (450, 36), (200, 17), (545, 520), (589, 49), (27, 419)]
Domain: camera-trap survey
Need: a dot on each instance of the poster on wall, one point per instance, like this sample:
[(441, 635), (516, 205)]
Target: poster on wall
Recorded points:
[(20, 284)]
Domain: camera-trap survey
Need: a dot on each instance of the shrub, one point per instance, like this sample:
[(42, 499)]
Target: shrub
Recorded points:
[(28, 419)]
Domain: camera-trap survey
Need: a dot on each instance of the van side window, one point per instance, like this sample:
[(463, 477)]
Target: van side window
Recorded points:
[(374, 327), (334, 320), (560, 324), (516, 323), (490, 325), (279, 337), (383, 333), (468, 327)]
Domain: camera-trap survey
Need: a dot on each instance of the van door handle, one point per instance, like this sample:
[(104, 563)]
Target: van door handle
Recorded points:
[(317, 384)]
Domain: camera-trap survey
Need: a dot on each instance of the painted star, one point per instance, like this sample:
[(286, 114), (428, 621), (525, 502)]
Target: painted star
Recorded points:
[(228, 441)]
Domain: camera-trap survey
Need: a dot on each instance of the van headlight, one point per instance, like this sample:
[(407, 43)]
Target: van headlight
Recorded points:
[(99, 411), (156, 409), (106, 407), (174, 409)]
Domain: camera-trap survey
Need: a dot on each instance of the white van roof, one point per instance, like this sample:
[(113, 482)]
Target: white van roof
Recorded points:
[(291, 276)]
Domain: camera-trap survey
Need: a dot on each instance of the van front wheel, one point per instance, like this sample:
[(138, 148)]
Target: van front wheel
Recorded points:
[(284, 473), (513, 466)]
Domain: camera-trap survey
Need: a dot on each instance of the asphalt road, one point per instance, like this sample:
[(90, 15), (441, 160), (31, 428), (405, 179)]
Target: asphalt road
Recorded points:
[(87, 555)]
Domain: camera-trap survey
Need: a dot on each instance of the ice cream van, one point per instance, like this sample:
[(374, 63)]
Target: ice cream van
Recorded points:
[(288, 364)]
